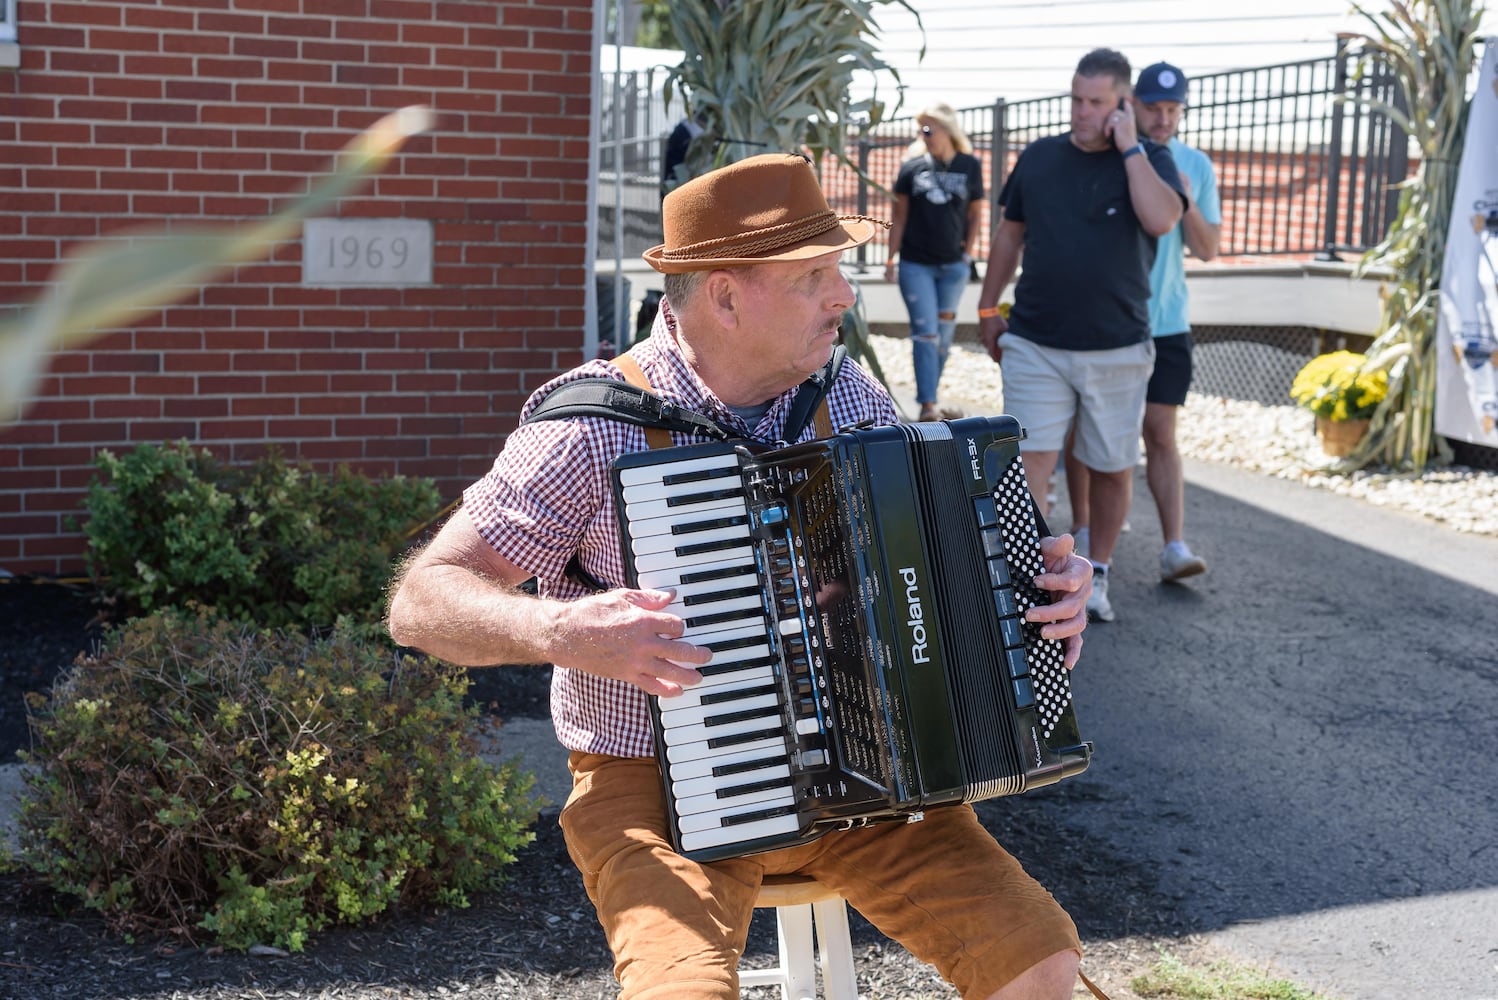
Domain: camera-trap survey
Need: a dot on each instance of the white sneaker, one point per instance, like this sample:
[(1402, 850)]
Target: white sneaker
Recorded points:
[(1082, 540), (1098, 606), (1177, 562)]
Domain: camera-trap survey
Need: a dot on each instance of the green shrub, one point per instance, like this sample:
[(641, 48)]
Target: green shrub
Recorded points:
[(273, 542), (200, 776)]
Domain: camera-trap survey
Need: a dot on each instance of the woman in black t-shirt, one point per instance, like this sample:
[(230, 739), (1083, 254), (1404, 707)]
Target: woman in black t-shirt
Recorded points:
[(938, 198)]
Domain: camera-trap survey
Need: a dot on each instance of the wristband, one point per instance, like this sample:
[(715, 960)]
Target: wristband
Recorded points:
[(989, 313), (1138, 147)]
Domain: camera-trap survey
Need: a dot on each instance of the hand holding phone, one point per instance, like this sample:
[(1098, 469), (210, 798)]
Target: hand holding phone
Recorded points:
[(1108, 126)]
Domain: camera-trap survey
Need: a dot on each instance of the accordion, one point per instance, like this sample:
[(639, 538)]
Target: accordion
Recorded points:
[(863, 597)]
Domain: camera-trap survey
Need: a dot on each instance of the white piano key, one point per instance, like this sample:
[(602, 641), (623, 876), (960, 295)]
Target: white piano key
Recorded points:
[(680, 736), (711, 819), (673, 543), (659, 471), (753, 630), (654, 561), (743, 602), (671, 576), (718, 585), (752, 614), (763, 798), (724, 657), (679, 719), (739, 833), (740, 653), (712, 783), (651, 516), (695, 749), (715, 684), (693, 765), (664, 499)]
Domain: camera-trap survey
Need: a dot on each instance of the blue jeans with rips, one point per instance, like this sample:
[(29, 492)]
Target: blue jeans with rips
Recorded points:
[(931, 293)]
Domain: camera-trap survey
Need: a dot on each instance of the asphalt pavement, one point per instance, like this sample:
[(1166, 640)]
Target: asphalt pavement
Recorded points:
[(1299, 742)]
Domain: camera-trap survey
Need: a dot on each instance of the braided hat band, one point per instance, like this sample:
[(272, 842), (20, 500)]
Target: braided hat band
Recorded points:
[(760, 209)]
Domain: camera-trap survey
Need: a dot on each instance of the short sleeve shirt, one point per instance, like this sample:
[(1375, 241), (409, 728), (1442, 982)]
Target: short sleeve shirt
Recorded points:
[(937, 217), (1169, 304), (547, 497), (1084, 284)]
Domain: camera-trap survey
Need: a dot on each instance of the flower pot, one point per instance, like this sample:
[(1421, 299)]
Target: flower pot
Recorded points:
[(1339, 437)]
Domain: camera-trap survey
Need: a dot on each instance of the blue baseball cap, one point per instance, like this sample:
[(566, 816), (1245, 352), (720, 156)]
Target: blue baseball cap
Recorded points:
[(1160, 82)]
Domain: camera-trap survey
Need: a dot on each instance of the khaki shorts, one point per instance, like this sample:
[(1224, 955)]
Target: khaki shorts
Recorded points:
[(1046, 388), (942, 887)]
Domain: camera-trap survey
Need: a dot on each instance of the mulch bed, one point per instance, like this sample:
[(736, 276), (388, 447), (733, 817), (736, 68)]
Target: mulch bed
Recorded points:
[(534, 938)]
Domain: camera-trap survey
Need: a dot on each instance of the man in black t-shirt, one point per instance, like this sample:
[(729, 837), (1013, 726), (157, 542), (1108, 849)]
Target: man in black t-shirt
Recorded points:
[(1085, 209)]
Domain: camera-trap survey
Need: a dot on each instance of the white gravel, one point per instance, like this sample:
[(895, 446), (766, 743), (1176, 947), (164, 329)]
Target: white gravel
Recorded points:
[(1275, 440)]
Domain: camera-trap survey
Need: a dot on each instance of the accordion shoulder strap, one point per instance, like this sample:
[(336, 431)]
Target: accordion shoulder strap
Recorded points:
[(634, 401), (655, 437), (1091, 986)]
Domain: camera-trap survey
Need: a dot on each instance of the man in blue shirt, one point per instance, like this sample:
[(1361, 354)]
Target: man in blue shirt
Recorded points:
[(1159, 104)]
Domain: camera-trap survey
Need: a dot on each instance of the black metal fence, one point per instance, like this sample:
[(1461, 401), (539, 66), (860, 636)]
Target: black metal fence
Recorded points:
[(1302, 171)]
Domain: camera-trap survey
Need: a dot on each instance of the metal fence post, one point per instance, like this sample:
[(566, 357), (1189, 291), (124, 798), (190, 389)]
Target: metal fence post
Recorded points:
[(1334, 157), (863, 197), (1398, 167), (1000, 173)]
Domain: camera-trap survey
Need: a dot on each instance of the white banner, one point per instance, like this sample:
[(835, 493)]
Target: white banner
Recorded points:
[(1467, 332)]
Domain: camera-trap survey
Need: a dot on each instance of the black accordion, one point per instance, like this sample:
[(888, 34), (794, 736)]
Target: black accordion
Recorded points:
[(863, 597)]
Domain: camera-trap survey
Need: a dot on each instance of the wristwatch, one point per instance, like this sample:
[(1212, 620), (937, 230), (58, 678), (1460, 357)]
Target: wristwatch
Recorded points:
[(1138, 147)]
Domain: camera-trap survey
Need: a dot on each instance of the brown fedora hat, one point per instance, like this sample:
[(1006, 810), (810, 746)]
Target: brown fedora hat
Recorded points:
[(759, 209)]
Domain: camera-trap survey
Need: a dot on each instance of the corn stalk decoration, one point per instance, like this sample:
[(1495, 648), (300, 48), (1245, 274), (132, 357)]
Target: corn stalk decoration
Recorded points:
[(769, 76), (131, 275), (1430, 47), (773, 75)]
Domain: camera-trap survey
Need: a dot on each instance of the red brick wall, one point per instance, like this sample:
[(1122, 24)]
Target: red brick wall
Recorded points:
[(156, 112)]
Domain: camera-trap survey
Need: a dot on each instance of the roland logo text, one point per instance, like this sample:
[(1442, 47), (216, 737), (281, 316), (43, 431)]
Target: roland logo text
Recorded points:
[(915, 616)]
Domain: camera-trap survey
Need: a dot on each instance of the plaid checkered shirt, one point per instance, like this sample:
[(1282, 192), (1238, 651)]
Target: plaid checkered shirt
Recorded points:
[(548, 497)]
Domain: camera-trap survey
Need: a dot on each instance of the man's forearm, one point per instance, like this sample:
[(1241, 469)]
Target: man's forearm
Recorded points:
[(1203, 237), (1003, 260), (1156, 204), (459, 616)]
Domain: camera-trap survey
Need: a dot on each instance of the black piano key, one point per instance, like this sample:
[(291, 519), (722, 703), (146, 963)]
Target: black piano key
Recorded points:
[(724, 645), (700, 475), (733, 791), (718, 742), (687, 499), (688, 527), (729, 718), (702, 547), (734, 694), (739, 767), (719, 595), (713, 669), (716, 573), (701, 621), (759, 814)]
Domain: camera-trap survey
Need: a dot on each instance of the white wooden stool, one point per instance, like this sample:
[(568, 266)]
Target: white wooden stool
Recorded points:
[(802, 904)]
